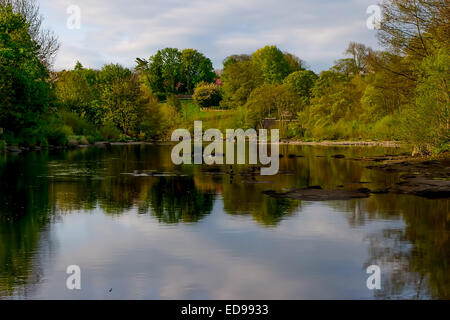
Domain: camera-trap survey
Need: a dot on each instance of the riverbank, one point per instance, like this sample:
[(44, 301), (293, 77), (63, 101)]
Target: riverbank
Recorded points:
[(395, 144), (422, 176)]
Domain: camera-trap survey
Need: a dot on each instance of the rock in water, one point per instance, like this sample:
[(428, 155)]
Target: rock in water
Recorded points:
[(318, 194)]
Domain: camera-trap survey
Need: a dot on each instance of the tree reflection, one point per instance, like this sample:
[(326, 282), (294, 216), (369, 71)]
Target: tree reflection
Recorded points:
[(24, 213), (177, 199), (414, 257), (412, 249)]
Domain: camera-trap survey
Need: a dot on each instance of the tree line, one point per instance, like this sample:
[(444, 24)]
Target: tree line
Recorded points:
[(399, 93)]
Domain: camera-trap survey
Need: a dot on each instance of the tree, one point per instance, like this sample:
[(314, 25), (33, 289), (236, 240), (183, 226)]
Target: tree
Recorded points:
[(302, 83), (78, 91), (120, 95), (24, 89), (46, 40), (431, 106), (277, 101), (359, 53), (272, 63), (150, 119), (295, 63), (416, 36), (335, 96), (172, 71), (236, 58), (239, 79), (207, 95), (346, 66), (196, 68), (408, 26), (164, 72)]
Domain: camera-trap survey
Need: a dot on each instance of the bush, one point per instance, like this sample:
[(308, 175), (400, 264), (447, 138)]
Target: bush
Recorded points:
[(161, 96), (2, 146), (83, 140), (386, 128), (33, 136), (207, 95), (175, 102), (109, 132), (80, 126), (58, 135)]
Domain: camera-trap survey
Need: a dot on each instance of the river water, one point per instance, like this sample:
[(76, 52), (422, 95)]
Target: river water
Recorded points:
[(197, 232)]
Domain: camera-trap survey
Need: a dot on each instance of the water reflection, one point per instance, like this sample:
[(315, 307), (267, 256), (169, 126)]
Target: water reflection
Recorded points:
[(53, 201)]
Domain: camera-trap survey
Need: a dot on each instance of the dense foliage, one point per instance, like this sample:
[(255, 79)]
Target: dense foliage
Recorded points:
[(25, 92), (207, 95), (173, 71), (400, 93)]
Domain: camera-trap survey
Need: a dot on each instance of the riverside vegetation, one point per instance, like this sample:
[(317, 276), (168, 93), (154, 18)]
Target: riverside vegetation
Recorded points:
[(400, 93)]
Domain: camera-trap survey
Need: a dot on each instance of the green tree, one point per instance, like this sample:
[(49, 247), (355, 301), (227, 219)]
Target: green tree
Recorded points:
[(239, 79), (24, 87), (150, 116), (120, 95), (46, 39), (295, 63), (302, 83), (427, 121), (196, 68), (207, 95), (236, 58), (272, 63), (336, 97), (78, 91), (163, 73), (274, 101)]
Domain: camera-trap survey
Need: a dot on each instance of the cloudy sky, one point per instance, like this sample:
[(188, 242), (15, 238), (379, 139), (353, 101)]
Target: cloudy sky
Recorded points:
[(118, 31)]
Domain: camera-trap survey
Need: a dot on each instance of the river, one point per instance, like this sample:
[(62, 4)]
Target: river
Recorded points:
[(197, 232)]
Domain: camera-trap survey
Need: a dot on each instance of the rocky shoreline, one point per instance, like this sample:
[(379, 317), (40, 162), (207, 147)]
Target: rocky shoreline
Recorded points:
[(76, 144), (429, 178), (70, 146), (394, 144), (423, 177)]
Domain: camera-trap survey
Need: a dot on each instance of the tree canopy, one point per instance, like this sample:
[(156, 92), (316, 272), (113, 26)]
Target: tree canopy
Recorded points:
[(173, 71), (24, 90)]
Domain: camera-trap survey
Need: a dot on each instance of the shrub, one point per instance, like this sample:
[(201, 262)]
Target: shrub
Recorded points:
[(83, 140), (109, 132), (169, 121), (58, 135), (161, 96), (207, 95), (80, 126), (92, 139), (2, 146), (175, 102), (386, 128)]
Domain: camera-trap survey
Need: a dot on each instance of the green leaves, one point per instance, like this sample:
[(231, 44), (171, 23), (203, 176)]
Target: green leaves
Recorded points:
[(207, 95), (272, 63), (173, 71), (24, 90), (302, 83)]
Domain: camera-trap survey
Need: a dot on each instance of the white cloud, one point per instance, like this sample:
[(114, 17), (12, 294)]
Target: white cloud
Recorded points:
[(120, 31)]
